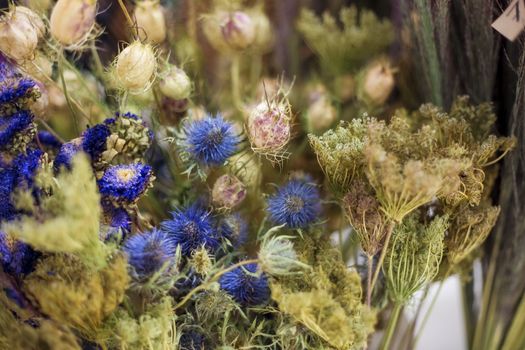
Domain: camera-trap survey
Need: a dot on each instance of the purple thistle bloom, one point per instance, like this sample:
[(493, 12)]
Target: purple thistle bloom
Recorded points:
[(211, 140), (66, 153), (149, 253), (11, 125), (191, 228), (296, 204), (125, 182), (94, 140), (245, 288)]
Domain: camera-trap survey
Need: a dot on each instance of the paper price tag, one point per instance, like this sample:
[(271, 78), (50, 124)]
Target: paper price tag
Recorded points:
[(512, 21)]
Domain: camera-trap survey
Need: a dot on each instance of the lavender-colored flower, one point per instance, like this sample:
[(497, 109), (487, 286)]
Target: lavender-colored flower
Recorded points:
[(94, 140), (210, 141), (191, 228), (296, 204), (148, 253), (11, 126), (126, 182), (247, 285), (66, 153)]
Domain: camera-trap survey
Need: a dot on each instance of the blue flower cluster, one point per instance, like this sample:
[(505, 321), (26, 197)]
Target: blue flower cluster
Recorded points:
[(247, 285), (16, 258), (210, 141), (125, 183), (297, 204)]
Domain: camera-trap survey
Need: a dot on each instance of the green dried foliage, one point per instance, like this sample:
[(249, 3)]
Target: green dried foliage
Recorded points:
[(414, 256), (327, 299), (47, 335), (67, 221), (468, 230), (154, 329), (70, 292), (346, 48)]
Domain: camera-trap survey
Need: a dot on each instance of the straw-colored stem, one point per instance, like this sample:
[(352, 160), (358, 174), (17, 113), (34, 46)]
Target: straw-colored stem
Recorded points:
[(392, 325), (390, 229)]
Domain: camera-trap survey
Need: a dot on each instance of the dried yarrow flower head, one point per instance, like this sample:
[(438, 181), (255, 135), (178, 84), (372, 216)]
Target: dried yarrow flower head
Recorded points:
[(151, 23), (247, 284), (228, 192), (20, 29), (192, 228), (72, 22), (297, 204), (149, 253), (414, 256), (175, 83), (208, 142), (135, 68), (125, 183), (269, 127)]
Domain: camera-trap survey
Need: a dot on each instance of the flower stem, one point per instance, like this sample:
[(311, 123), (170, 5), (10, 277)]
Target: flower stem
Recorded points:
[(390, 229), (392, 323), (66, 94), (213, 279), (128, 18), (369, 280)]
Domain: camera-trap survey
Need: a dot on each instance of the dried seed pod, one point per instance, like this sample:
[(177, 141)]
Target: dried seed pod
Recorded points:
[(378, 83), (150, 20), (238, 30), (228, 192), (135, 67), (175, 84), (72, 20), (19, 32)]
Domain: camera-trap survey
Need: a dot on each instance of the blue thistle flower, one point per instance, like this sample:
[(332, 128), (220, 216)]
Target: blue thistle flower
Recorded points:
[(17, 258), (125, 182), (94, 140), (191, 228), (65, 155), (11, 126), (211, 141), (149, 252), (296, 204), (48, 140), (192, 340), (120, 219), (245, 287)]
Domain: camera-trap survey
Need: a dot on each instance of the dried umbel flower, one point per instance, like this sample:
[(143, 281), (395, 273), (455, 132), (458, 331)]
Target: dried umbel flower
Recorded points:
[(238, 30), (269, 128), (228, 192), (468, 230), (377, 84), (19, 33), (175, 84), (150, 21), (135, 67), (72, 20), (413, 257)]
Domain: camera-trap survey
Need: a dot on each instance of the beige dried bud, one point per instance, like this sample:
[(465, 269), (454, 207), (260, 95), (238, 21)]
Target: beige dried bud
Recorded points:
[(238, 30), (135, 67), (19, 33), (175, 84), (378, 83), (72, 20), (150, 21), (320, 115)]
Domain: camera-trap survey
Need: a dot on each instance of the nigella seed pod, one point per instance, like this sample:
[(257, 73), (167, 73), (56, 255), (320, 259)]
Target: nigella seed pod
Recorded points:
[(263, 31), (72, 20), (135, 67), (378, 83), (19, 32), (175, 84), (150, 21), (228, 192), (269, 127), (238, 30)]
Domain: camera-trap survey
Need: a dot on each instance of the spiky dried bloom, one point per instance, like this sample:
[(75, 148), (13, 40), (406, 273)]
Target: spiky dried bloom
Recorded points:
[(414, 256), (277, 256), (201, 261), (70, 292), (135, 67), (364, 214), (269, 128), (326, 300), (344, 49), (469, 228)]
